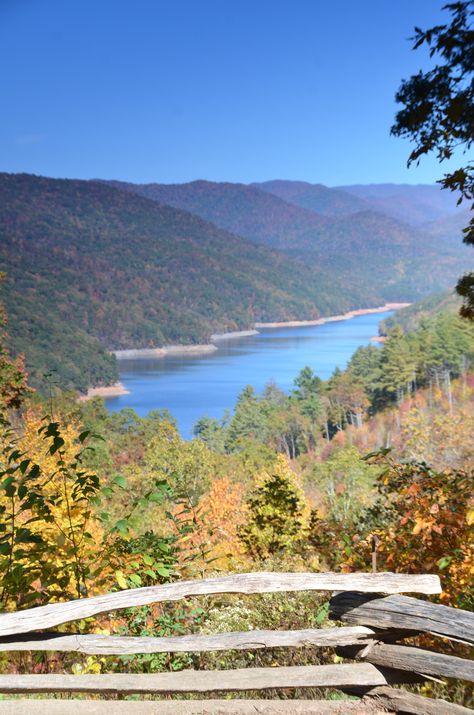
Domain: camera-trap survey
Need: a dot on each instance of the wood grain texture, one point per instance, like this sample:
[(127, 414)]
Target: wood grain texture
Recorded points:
[(259, 582), (400, 701), (201, 681), (190, 707), (93, 644), (421, 661), (403, 612)]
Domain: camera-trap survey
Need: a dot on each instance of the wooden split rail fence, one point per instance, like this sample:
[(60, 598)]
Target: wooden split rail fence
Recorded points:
[(375, 617)]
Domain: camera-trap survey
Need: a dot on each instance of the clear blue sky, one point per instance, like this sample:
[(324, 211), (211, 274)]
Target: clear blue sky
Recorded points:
[(236, 90)]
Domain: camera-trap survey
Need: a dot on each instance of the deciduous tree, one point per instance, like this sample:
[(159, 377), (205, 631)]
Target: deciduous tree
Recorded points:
[(438, 111)]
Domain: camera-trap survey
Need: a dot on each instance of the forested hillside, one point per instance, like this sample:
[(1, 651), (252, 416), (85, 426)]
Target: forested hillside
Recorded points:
[(370, 251), (411, 317), (399, 261), (91, 268)]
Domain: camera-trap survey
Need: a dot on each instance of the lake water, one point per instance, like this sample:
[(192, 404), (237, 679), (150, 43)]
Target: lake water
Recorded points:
[(190, 387)]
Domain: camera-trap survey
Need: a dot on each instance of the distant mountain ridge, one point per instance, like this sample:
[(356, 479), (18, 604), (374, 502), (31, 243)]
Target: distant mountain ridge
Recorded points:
[(316, 197), (366, 248), (412, 203), (242, 209)]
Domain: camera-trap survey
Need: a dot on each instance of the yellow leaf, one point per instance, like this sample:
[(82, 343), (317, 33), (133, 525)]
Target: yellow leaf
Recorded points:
[(120, 578)]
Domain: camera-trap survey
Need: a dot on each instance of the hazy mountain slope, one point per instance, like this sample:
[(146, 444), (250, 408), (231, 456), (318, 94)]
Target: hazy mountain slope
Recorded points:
[(369, 251), (90, 266), (239, 208), (316, 197), (449, 228), (414, 204), (401, 262)]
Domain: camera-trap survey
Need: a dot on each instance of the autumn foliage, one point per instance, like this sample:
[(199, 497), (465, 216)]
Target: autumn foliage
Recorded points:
[(430, 529), (212, 533)]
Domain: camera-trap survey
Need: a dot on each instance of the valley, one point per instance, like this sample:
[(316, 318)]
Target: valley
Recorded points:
[(96, 268)]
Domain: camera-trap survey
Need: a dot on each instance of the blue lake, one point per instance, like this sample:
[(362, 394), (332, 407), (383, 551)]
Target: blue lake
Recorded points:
[(190, 387)]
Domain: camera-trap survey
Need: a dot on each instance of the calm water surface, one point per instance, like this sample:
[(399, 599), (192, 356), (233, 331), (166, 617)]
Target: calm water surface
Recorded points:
[(190, 387)]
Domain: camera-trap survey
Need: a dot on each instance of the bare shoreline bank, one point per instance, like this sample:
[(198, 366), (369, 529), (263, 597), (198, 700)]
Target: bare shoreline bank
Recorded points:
[(177, 350), (144, 353), (234, 334), (114, 390), (333, 318)]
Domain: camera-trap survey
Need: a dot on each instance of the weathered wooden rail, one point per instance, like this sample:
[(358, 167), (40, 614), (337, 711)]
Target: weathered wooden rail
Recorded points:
[(57, 613), (374, 615)]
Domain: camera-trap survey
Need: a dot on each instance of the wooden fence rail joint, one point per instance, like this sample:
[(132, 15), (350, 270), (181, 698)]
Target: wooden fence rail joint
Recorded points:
[(400, 701), (418, 660), (403, 612)]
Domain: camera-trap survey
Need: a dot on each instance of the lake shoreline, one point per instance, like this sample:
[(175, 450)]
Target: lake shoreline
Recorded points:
[(204, 349), (189, 388), (118, 389)]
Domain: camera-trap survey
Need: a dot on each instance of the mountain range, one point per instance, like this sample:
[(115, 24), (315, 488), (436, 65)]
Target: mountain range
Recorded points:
[(343, 235), (95, 266), (410, 204), (413, 204)]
